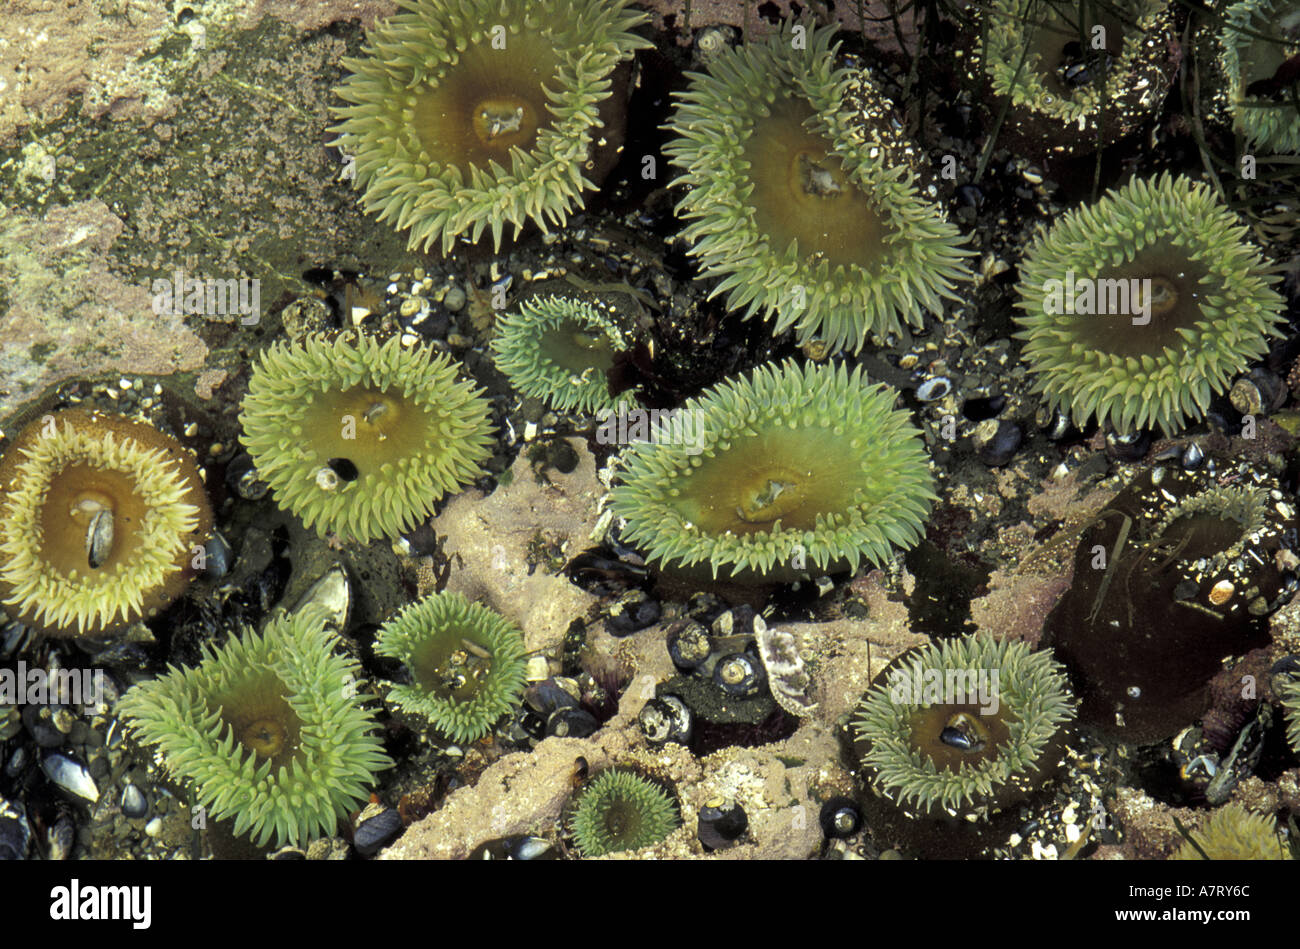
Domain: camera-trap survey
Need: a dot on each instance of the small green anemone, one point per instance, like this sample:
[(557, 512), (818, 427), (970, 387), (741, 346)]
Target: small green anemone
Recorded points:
[(362, 438), (559, 349), (965, 724), (1234, 833), (466, 663), (266, 729), (1259, 36), (807, 218), (1142, 307), (790, 470), (620, 810), (466, 115)]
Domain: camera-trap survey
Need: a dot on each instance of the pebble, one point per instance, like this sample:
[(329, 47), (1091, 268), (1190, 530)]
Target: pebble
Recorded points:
[(154, 828), (455, 299)]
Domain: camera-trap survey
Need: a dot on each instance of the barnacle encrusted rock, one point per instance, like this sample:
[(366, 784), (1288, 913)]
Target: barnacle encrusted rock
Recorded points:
[(798, 206), (468, 115)]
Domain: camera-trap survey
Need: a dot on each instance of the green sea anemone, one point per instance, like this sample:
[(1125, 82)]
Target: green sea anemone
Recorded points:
[(807, 218), (967, 725), (1075, 71), (559, 349), (362, 438), (466, 664), (266, 730), (468, 114), (1234, 833), (620, 810), (1142, 307), (100, 521), (1288, 694), (1257, 38), (790, 469)]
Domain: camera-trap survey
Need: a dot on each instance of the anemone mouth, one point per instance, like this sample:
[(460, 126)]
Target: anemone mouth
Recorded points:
[(790, 470), (468, 115), (1257, 38), (489, 103), (559, 349), (804, 199), (1143, 306), (959, 735), (815, 223), (466, 663), (359, 437), (266, 730), (260, 719), (101, 515), (968, 724)]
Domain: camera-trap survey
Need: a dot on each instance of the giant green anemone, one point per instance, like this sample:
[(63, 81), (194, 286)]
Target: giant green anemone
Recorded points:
[(620, 810), (1141, 307), (1076, 70), (362, 438), (467, 115), (966, 725), (267, 730), (804, 216), (466, 663), (100, 520), (559, 349), (770, 476), (1258, 36), (1234, 833)]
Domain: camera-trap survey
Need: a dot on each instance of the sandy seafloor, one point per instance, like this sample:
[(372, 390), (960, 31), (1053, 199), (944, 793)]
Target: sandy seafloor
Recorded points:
[(137, 140)]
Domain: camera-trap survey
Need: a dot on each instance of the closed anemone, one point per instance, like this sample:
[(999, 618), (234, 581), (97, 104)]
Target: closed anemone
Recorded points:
[(806, 218), (468, 115), (101, 519), (466, 664), (1076, 71), (359, 437), (1258, 36), (267, 730), (559, 349), (790, 470), (620, 810), (1139, 309)]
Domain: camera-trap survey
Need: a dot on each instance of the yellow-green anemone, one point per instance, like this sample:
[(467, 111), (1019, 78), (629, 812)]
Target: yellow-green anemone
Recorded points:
[(1140, 308), (791, 470), (362, 438), (467, 115), (804, 215), (559, 349), (267, 730), (1258, 36), (102, 519), (466, 663)]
